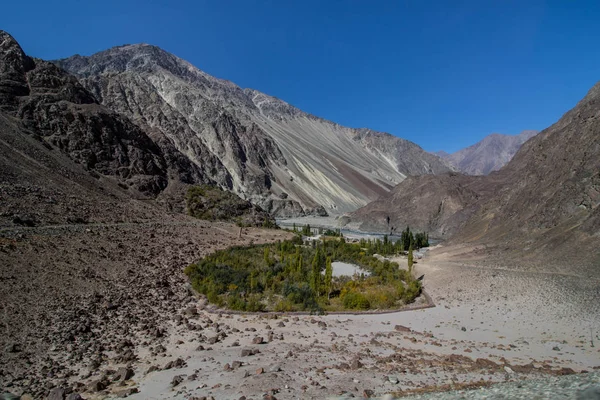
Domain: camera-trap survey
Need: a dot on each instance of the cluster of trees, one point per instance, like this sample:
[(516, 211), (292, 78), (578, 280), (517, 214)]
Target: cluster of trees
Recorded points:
[(407, 241), (288, 276), (417, 240), (306, 230), (383, 247), (331, 232)]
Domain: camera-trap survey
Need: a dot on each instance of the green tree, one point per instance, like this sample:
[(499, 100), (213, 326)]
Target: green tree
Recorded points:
[(306, 231), (299, 265), (316, 272), (406, 238), (410, 258), (252, 281), (328, 276)]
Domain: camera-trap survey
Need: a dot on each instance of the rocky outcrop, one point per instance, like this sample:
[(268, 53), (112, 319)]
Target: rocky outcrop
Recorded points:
[(214, 204), (253, 144), (488, 155), (59, 111), (437, 204)]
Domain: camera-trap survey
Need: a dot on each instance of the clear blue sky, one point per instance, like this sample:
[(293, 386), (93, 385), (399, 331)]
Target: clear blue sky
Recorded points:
[(440, 73)]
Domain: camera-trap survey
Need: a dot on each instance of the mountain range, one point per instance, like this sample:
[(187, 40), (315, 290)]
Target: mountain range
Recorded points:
[(121, 134), (488, 155), (542, 207), (265, 150)]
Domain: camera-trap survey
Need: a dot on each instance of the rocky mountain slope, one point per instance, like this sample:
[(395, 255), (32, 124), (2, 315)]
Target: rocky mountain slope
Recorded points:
[(490, 154), (543, 204), (67, 159), (211, 203), (53, 107), (437, 204), (265, 150)]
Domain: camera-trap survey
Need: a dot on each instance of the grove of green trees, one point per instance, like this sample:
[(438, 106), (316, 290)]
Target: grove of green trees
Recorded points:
[(289, 276)]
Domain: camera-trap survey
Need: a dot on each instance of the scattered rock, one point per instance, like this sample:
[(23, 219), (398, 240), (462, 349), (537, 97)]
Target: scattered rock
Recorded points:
[(177, 379), (96, 386), (485, 363), (356, 364), (258, 340), (191, 311), (123, 374), (566, 371), (152, 369), (247, 352), (401, 328), (57, 393), (212, 339), (178, 363)]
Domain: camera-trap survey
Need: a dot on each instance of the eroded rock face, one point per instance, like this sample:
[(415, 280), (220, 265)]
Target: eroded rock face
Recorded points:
[(54, 106), (213, 204), (263, 149), (444, 203)]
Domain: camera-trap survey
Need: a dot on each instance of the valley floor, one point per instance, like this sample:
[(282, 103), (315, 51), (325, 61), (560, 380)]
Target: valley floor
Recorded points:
[(490, 325), (124, 303)]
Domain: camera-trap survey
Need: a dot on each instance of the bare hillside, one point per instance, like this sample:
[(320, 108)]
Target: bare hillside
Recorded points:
[(285, 160)]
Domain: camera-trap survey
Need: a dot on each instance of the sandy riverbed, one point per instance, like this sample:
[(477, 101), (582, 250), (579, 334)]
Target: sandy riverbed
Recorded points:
[(506, 319)]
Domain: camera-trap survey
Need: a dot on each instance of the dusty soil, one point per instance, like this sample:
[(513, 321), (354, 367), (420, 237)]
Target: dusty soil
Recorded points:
[(75, 297), (94, 304)]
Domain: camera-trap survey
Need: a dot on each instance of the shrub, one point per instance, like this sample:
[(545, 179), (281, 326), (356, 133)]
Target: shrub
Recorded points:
[(235, 302), (412, 291), (284, 305), (214, 298), (381, 299), (355, 301), (254, 304)]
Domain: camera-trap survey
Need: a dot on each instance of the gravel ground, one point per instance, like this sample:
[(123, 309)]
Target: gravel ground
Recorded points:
[(104, 310)]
